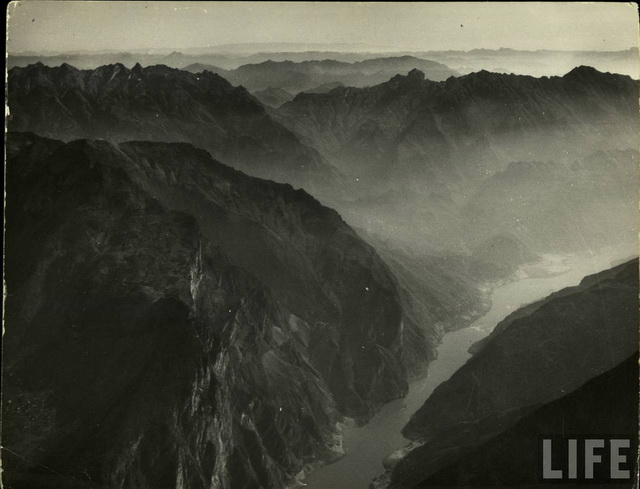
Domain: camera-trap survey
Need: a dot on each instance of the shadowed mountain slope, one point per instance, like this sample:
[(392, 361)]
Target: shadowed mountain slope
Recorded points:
[(606, 405), (172, 319)]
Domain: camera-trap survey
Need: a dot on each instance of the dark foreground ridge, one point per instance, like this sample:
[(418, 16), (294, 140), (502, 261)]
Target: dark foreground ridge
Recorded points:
[(606, 405), (174, 321)]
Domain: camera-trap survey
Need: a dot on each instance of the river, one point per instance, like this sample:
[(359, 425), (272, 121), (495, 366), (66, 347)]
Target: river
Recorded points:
[(367, 446)]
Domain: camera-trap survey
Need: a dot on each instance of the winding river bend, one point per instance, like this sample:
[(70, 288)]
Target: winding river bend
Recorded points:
[(367, 446)]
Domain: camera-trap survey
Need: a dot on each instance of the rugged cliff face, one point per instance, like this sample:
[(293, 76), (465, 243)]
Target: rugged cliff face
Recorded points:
[(438, 294), (138, 352), (537, 355), (158, 103)]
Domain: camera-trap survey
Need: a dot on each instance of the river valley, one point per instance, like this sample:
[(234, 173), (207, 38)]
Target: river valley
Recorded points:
[(367, 446)]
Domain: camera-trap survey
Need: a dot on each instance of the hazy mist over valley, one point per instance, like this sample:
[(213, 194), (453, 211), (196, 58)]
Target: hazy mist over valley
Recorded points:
[(326, 245)]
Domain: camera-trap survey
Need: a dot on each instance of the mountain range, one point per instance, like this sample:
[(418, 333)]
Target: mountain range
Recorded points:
[(466, 126), (301, 76), (441, 151), (205, 283), (523, 62), (163, 104)]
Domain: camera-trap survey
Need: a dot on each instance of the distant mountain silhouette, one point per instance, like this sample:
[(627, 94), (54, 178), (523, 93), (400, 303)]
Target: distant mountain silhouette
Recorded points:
[(201, 67), (302, 76), (534, 63)]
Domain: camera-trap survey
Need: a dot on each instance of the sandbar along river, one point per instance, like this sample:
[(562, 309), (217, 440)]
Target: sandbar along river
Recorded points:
[(367, 446)]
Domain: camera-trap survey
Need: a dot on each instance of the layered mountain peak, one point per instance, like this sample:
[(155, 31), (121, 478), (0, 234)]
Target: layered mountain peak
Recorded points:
[(416, 74), (591, 80), (269, 63), (413, 79), (583, 71), (65, 67), (487, 83)]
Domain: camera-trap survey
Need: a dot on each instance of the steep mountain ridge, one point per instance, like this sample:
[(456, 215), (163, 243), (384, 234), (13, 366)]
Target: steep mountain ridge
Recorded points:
[(529, 309), (438, 293), (135, 352), (147, 344), (458, 127), (450, 155), (158, 103), (317, 266)]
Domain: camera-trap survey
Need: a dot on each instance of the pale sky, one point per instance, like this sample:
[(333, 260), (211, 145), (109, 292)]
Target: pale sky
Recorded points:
[(78, 25)]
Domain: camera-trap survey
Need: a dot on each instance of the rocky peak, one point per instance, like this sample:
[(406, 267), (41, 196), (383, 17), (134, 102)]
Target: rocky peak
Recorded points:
[(67, 68), (416, 74), (583, 72), (413, 79)]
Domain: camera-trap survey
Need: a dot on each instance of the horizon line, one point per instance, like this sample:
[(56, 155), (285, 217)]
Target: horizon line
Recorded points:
[(215, 50)]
